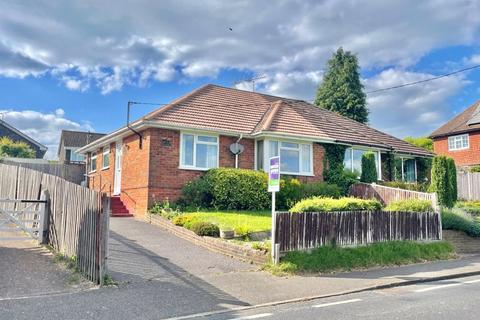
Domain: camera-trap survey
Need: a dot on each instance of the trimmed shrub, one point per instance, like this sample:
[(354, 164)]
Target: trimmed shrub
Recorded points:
[(410, 205), (369, 170), (205, 229), (238, 189), (196, 194), (318, 204), (453, 220), (452, 180), (182, 220), (292, 191), (440, 183)]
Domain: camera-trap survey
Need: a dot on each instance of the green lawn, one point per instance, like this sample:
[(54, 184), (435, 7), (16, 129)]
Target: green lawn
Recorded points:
[(242, 222), (329, 259)]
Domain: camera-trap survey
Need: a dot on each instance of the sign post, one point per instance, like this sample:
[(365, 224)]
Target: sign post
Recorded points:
[(273, 187)]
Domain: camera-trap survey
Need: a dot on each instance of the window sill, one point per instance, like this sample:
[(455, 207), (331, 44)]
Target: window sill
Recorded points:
[(297, 174), (454, 150), (94, 171), (194, 168), (105, 168)]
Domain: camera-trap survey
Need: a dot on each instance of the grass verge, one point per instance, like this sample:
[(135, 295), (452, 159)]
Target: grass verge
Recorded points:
[(242, 222), (332, 259)]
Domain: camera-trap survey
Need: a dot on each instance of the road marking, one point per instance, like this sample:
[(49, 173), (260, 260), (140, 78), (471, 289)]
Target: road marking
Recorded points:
[(255, 316), (472, 281), (335, 303), (438, 287)]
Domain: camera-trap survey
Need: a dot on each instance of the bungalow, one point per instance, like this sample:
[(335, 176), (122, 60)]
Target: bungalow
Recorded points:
[(9, 131), (459, 138), (152, 158), (71, 141)]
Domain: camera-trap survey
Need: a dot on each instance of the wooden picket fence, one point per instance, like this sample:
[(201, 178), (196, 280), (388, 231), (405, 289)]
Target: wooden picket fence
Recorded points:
[(468, 185), (388, 194), (78, 216), (73, 172), (302, 231)]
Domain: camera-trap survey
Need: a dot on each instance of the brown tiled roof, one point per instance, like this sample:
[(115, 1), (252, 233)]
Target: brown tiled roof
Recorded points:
[(213, 107), (77, 139), (460, 123)]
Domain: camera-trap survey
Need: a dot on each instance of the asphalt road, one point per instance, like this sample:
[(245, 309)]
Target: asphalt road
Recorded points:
[(449, 299)]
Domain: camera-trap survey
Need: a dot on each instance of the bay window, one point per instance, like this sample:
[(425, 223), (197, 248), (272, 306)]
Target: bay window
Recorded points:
[(295, 158), (198, 151), (353, 160)]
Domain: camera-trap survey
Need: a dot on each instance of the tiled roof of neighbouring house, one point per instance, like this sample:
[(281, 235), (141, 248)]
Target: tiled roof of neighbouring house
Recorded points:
[(77, 139), (213, 107), (468, 120)]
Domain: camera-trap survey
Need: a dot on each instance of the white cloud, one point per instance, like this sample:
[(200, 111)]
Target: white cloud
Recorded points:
[(109, 44), (43, 127), (410, 111)]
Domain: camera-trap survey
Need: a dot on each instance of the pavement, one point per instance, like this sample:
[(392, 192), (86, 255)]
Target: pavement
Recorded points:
[(161, 276)]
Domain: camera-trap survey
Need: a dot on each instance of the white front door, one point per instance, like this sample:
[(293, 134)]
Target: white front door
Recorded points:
[(117, 179)]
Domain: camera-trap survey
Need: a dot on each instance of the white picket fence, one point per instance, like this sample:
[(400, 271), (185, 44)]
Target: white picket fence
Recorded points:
[(468, 184)]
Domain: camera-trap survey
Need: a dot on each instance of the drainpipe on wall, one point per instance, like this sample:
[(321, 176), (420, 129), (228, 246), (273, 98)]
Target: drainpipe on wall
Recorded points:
[(236, 155)]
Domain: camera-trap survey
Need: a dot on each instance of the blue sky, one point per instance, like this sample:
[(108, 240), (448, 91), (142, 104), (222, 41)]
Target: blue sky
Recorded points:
[(75, 65)]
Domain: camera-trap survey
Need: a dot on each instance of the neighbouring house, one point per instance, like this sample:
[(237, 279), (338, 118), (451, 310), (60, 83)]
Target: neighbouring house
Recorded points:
[(71, 141), (7, 130), (152, 158), (459, 138)]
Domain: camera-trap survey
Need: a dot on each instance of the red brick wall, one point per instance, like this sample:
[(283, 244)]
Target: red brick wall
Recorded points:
[(467, 157), (152, 173), (102, 179), (166, 179)]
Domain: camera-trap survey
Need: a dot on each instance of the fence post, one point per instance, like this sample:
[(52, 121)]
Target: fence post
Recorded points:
[(104, 235), (44, 218)]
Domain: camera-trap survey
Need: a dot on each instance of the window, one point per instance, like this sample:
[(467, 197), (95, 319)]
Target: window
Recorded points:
[(93, 163), (458, 142), (260, 155), (198, 151), (295, 158), (353, 160), (106, 157), (72, 156)]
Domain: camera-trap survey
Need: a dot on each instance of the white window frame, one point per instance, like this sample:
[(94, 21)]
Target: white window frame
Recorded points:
[(72, 151), (452, 141), (106, 151), (379, 159), (93, 157), (266, 152), (195, 142)]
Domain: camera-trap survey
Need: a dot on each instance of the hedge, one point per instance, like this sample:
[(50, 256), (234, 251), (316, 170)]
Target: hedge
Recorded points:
[(444, 180), (452, 220), (410, 205), (292, 191), (319, 204)]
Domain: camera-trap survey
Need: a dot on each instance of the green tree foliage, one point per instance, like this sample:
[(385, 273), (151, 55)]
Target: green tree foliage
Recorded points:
[(10, 148), (341, 90), (421, 142), (452, 179), (369, 170), (333, 169), (444, 180)]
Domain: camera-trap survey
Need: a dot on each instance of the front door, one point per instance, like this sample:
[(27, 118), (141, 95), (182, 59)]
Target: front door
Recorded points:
[(118, 168)]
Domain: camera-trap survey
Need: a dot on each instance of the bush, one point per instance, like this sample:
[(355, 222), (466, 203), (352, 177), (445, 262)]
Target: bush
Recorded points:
[(292, 191), (183, 220), (369, 170), (196, 194), (454, 220), (238, 189), (475, 168), (343, 179), (472, 207), (318, 204), (205, 229), (410, 205), (440, 181), (164, 209), (452, 180), (420, 187)]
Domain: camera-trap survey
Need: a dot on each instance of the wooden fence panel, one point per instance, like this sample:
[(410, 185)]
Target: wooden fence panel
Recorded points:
[(388, 194), (301, 231), (468, 185), (78, 218)]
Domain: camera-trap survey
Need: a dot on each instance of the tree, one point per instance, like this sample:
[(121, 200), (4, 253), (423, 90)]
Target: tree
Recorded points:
[(341, 90), (10, 148), (452, 179), (444, 180), (421, 142), (369, 170)]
